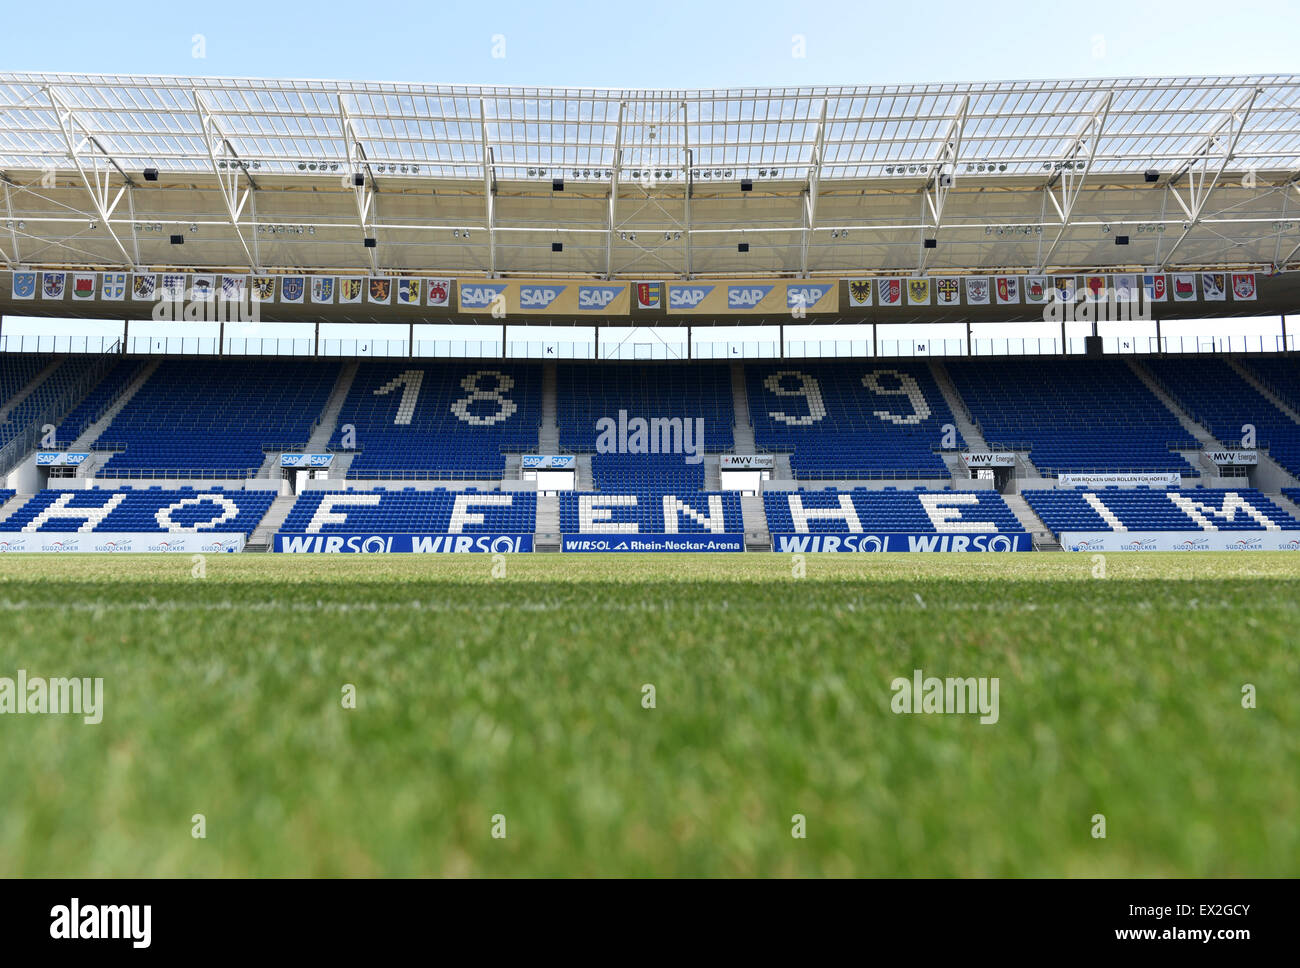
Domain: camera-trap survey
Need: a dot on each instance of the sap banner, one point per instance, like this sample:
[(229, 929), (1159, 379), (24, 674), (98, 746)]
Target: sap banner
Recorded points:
[(417, 544), (306, 460), (1180, 540), (560, 462), (800, 543), (55, 458), (761, 297), (636, 543), (106, 542), (555, 297)]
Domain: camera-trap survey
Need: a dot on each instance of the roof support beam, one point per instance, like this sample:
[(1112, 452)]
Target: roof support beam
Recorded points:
[(363, 194), (935, 192), (811, 189), (1071, 184), (613, 192), (96, 170), (489, 191), (1198, 193), (13, 227), (228, 177)]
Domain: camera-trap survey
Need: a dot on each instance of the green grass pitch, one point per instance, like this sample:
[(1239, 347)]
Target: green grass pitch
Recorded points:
[(482, 695)]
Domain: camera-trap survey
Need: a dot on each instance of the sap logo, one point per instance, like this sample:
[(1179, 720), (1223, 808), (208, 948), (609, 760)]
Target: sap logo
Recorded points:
[(797, 297), (321, 460), (960, 542), (479, 297), (597, 297), (532, 461), (538, 297), (688, 297), (746, 297)]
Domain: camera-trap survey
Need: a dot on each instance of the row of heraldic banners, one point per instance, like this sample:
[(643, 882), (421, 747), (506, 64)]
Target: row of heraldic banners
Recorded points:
[(573, 298)]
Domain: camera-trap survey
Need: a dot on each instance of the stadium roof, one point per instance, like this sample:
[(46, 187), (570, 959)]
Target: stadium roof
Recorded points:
[(1033, 174)]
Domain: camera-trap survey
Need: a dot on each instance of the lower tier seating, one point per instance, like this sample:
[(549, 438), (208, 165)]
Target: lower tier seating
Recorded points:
[(862, 511), (643, 511), (148, 510), (412, 511), (1198, 509)]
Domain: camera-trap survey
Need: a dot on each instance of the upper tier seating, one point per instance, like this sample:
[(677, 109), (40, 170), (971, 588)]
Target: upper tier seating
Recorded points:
[(1281, 374), (150, 510), (440, 420), (1199, 509), (872, 419), (689, 396), (16, 371), (411, 511), (862, 511), (1220, 400), (651, 511), (1293, 493), (87, 412), (23, 413), (213, 417), (1075, 416)]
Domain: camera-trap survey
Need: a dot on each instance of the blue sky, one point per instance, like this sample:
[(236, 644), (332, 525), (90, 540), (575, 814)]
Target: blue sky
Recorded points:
[(661, 43)]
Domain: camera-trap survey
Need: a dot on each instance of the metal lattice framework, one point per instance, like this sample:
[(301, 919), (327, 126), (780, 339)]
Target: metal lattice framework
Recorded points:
[(820, 180)]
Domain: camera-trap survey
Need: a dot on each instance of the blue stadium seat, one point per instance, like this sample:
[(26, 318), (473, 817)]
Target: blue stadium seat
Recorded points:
[(152, 510), (861, 420), (410, 511), (879, 512), (440, 420), (651, 511), (1243, 509), (1074, 416)]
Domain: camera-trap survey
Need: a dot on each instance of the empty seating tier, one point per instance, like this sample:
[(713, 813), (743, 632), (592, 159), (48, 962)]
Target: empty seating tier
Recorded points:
[(862, 511), (647, 511), (851, 420), (439, 420), (1218, 397), (146, 510), (411, 511), (1199, 509), (1074, 416), (215, 418)]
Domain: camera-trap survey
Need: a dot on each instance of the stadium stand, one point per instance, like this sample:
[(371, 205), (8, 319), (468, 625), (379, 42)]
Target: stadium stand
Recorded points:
[(440, 420), (16, 371), (215, 417), (876, 512), (1073, 416), (1200, 509), (75, 422), (381, 511), (145, 510), (1280, 374), (850, 420), (687, 393), (62, 379), (1216, 396), (646, 511)]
